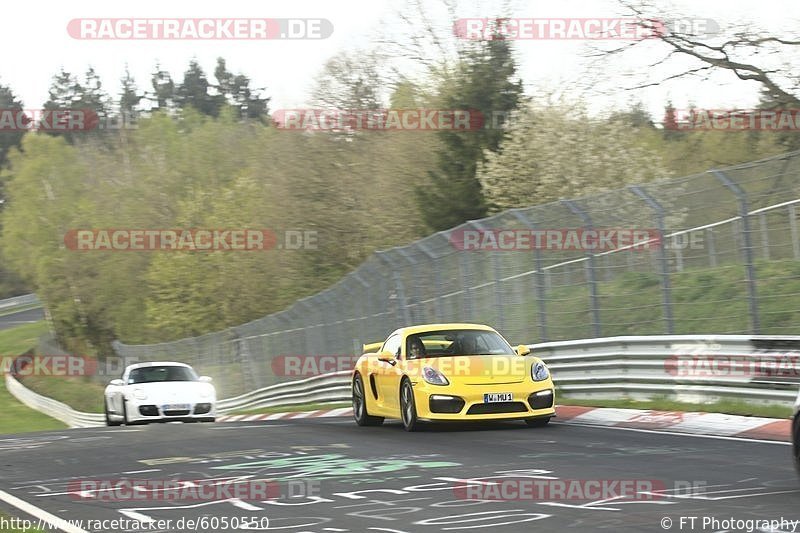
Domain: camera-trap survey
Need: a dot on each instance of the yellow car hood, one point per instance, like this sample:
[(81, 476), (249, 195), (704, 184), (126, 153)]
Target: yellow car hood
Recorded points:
[(475, 369)]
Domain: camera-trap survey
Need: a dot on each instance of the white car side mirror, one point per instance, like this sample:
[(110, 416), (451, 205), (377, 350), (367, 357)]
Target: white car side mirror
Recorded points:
[(117, 382), (205, 379)]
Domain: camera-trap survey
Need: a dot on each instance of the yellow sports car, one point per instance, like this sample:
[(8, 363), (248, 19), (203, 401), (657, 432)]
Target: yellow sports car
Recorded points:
[(450, 372)]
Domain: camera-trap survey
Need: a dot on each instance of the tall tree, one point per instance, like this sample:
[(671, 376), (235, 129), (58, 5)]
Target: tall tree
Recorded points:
[(485, 81), (129, 98), (688, 51), (163, 96), (67, 93), (195, 91), (9, 138), (236, 91), (349, 80)]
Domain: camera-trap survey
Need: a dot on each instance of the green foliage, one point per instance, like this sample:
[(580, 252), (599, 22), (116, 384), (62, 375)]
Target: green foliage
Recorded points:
[(14, 416), (196, 172), (560, 152), (484, 82), (8, 139)]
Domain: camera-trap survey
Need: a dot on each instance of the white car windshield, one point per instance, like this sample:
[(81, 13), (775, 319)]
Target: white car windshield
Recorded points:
[(153, 374)]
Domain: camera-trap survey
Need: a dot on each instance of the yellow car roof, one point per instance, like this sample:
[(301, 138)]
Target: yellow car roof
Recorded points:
[(410, 330)]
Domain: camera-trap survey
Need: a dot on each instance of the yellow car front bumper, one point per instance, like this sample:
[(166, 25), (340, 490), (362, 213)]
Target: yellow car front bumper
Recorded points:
[(467, 402)]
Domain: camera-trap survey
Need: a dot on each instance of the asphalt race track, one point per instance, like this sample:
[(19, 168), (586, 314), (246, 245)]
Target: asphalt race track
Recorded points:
[(29, 316), (352, 479)]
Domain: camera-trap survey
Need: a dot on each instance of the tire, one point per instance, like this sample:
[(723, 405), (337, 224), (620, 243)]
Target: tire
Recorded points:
[(360, 414), (109, 422), (537, 422), (408, 409), (125, 414)]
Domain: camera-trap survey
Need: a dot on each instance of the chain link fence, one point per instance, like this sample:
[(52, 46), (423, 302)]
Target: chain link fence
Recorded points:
[(718, 253)]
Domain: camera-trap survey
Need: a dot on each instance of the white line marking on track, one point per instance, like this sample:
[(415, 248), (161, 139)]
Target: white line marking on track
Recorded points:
[(51, 520), (262, 426)]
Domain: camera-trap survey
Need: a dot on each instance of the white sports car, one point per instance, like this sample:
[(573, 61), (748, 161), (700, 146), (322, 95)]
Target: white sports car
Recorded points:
[(160, 392)]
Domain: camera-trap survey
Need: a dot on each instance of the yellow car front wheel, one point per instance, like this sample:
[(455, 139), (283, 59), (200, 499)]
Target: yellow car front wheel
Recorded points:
[(408, 409)]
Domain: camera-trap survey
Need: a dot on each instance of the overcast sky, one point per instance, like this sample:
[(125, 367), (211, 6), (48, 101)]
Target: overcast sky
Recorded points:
[(36, 45)]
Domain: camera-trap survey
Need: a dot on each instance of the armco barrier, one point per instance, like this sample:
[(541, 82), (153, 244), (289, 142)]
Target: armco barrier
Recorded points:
[(50, 407), (613, 367), (645, 366), (26, 300)]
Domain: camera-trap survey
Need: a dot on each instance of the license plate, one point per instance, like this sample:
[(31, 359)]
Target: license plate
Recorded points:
[(498, 397), (176, 407)]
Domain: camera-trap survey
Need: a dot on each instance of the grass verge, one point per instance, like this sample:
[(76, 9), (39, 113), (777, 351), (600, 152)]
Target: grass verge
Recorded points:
[(731, 407), (80, 393), (14, 416)]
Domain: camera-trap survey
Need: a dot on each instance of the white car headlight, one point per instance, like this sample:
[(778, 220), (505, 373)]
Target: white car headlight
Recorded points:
[(539, 372), (206, 392), (139, 394), (433, 376)]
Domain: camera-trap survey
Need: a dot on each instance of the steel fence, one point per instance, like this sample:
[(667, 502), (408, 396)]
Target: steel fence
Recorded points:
[(720, 257)]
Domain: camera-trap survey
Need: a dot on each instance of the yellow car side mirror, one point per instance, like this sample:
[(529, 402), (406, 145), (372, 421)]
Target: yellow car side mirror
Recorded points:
[(387, 357), (523, 350)]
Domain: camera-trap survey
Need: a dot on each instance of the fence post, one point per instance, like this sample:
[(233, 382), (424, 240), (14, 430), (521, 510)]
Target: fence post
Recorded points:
[(666, 289), (538, 277), (498, 296), (362, 307), (747, 247), (437, 281), (417, 299), (399, 288), (590, 271), (463, 267), (762, 222), (712, 247), (794, 233)]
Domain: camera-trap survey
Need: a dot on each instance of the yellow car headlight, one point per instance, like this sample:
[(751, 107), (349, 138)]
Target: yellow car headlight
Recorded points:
[(539, 372), (433, 376)]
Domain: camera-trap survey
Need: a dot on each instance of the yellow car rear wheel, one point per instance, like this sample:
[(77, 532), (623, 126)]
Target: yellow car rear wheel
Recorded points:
[(360, 414)]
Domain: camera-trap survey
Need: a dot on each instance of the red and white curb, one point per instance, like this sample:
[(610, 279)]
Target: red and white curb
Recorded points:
[(321, 413), (716, 424)]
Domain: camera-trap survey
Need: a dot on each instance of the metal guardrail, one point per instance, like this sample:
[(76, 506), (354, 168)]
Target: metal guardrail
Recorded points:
[(25, 300), (50, 407), (641, 367), (633, 367)]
